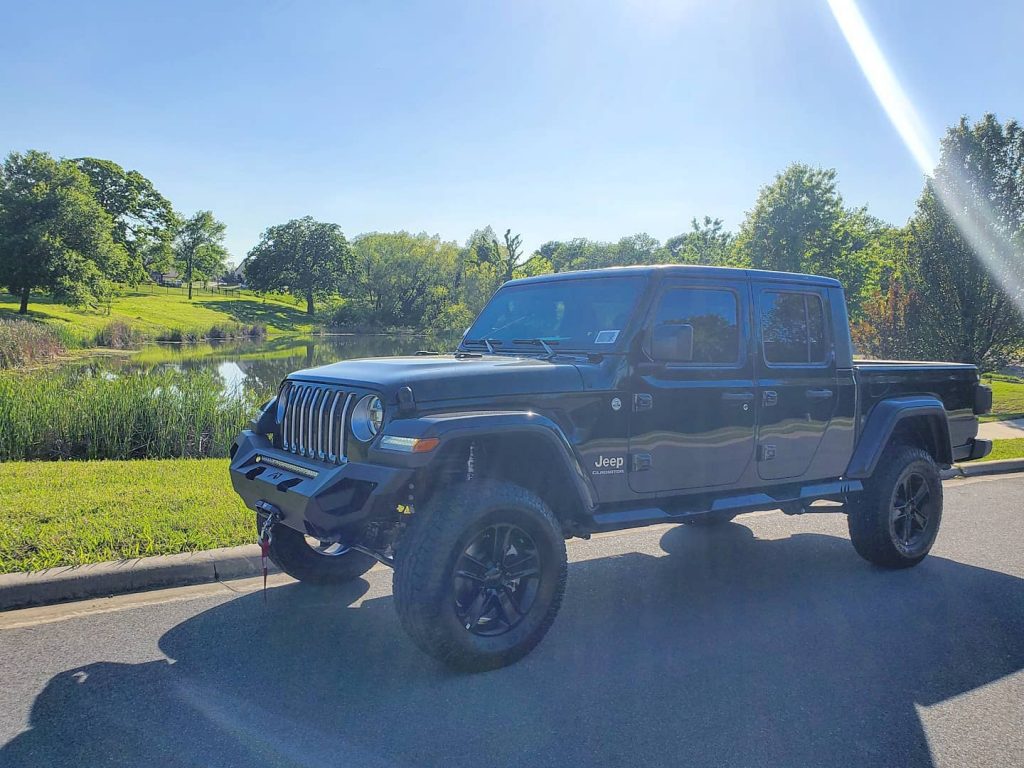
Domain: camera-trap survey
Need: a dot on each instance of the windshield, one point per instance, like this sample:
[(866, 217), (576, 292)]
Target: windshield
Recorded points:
[(573, 314)]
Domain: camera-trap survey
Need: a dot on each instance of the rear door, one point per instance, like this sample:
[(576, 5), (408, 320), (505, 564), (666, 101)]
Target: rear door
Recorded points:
[(692, 424), (796, 376)]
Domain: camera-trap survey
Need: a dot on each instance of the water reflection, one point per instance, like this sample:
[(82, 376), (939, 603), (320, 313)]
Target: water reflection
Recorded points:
[(260, 366)]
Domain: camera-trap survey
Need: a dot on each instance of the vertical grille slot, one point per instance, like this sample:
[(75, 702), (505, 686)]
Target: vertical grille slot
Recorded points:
[(314, 422)]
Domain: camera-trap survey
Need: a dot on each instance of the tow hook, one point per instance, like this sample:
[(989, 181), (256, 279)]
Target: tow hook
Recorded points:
[(273, 514)]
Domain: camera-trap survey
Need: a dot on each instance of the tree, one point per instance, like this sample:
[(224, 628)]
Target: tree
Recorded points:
[(401, 279), (483, 248), (799, 224), (144, 221), (304, 257), (707, 243), (792, 220), (54, 234), (967, 244), (199, 249)]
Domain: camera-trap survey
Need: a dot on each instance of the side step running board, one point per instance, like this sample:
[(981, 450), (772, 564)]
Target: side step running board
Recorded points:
[(796, 501)]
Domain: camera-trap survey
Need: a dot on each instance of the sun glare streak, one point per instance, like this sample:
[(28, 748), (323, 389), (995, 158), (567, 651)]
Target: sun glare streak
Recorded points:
[(975, 220), (883, 82)]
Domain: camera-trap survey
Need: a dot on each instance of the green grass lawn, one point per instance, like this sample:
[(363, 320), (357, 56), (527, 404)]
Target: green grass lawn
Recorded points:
[(155, 309), (75, 512), (1007, 397), (1006, 449)]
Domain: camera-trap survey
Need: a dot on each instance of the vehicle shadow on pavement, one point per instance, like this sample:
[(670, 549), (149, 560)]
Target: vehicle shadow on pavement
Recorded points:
[(728, 651)]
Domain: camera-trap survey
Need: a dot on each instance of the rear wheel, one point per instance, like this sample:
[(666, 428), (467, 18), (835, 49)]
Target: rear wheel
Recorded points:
[(896, 519), (318, 562), (479, 575)]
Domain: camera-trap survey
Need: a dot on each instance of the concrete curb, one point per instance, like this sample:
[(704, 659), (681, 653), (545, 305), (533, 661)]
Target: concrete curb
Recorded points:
[(979, 468), (55, 585)]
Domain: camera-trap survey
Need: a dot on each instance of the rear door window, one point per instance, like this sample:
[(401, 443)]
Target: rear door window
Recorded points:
[(793, 328)]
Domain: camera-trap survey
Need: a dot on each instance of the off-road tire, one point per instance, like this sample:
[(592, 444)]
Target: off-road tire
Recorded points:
[(425, 564), (290, 552), (870, 518)]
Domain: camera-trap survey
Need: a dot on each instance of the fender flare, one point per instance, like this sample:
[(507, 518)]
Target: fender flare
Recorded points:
[(449, 427), (883, 420)]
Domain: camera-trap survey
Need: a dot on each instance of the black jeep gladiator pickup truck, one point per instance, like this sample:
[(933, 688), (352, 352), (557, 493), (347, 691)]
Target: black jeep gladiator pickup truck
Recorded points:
[(596, 401)]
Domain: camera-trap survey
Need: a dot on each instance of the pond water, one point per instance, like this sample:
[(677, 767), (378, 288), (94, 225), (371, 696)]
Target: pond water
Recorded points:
[(260, 366)]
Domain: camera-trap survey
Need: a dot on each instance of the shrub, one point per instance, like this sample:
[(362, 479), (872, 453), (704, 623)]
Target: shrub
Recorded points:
[(218, 332), (118, 334), (353, 313)]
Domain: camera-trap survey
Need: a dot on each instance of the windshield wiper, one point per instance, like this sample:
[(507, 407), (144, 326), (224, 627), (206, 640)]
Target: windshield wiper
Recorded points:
[(489, 343), (540, 343)]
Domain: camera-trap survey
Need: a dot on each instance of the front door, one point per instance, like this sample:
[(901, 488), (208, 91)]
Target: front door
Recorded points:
[(796, 377), (692, 424)]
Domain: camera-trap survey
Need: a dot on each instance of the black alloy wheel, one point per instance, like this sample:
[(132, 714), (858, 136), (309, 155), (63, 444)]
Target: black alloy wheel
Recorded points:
[(496, 580), (912, 514)]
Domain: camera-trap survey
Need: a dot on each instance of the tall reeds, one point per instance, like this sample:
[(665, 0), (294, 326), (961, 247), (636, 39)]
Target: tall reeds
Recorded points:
[(24, 342), (77, 415)]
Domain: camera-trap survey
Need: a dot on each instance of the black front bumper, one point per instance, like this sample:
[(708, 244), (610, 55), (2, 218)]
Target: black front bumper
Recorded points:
[(320, 499)]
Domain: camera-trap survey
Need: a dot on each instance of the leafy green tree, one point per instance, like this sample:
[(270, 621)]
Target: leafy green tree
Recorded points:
[(402, 280), (483, 248), (967, 244), (707, 243), (799, 224), (54, 234), (305, 257), (144, 221), (633, 249), (792, 221), (199, 248)]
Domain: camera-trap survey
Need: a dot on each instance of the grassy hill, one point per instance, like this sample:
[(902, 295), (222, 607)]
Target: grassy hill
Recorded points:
[(154, 310)]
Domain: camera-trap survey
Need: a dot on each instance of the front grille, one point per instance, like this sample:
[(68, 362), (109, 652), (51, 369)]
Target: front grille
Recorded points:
[(314, 423)]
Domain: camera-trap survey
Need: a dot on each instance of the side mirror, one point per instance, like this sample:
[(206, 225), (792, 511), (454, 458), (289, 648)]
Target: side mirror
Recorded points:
[(672, 343)]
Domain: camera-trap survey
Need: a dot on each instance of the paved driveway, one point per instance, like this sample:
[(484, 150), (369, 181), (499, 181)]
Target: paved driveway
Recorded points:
[(766, 642)]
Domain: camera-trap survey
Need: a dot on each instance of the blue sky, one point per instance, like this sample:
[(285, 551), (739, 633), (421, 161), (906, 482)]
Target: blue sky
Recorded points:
[(560, 118)]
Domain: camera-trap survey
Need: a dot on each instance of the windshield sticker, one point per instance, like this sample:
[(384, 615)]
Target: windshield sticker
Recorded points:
[(606, 337)]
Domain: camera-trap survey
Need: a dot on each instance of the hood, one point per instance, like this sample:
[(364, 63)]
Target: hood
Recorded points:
[(446, 377)]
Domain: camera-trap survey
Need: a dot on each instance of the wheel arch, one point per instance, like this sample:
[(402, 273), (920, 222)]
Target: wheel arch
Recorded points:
[(913, 420), (524, 448)]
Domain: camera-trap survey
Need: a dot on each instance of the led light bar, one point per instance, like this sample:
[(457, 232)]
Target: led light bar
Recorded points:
[(287, 465)]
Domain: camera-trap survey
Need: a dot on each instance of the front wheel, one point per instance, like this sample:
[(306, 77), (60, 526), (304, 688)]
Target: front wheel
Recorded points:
[(896, 519), (479, 575), (317, 562)]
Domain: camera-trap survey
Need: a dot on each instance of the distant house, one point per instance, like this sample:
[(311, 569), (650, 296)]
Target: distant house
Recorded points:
[(170, 277), (237, 274)]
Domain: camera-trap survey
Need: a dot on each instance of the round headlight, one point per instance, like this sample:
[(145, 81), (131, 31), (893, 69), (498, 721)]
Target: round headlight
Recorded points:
[(367, 418)]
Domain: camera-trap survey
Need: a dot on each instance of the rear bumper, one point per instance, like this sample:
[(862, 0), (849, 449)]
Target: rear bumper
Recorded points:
[(320, 499), (975, 449)]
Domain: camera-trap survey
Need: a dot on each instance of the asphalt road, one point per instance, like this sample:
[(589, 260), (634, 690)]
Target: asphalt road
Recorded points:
[(767, 642)]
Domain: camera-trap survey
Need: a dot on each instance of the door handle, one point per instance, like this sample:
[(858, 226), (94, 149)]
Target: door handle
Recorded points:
[(738, 397), (819, 394)]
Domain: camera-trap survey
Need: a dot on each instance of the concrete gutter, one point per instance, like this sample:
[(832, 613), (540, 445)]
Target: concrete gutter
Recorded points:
[(56, 585), (979, 468)]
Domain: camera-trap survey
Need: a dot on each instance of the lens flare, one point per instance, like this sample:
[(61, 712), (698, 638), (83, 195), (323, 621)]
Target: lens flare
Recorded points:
[(974, 219)]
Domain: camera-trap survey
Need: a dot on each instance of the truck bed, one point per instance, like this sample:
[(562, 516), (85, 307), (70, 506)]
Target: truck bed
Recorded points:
[(952, 383)]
